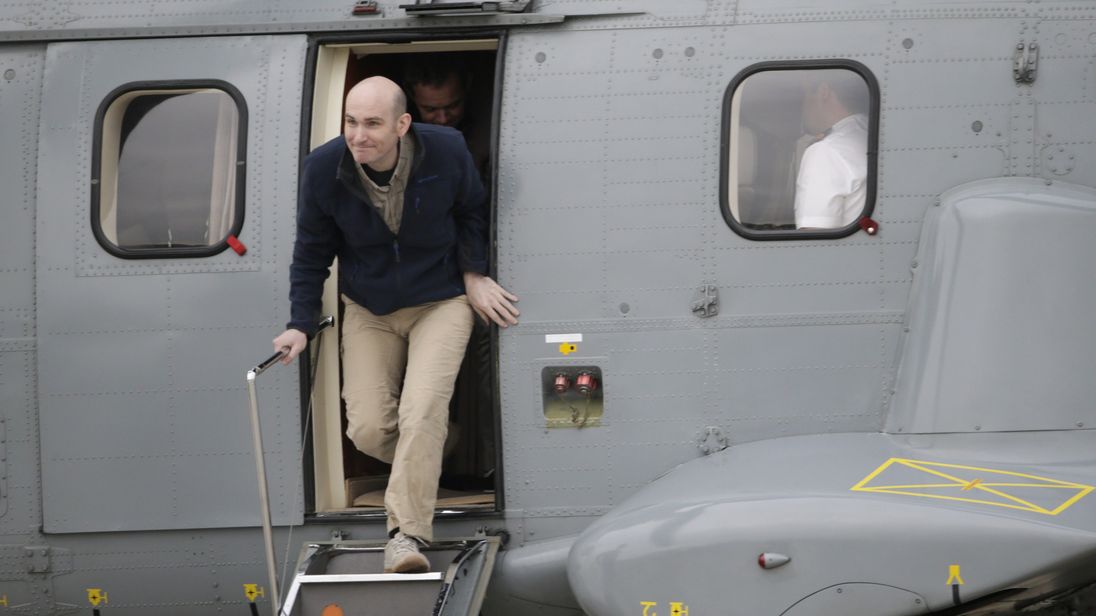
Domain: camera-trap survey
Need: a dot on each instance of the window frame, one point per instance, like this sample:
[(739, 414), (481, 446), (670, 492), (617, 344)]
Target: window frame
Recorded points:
[(873, 148), (97, 160)]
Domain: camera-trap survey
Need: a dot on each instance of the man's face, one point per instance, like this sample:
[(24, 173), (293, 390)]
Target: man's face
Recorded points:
[(372, 128), (442, 104)]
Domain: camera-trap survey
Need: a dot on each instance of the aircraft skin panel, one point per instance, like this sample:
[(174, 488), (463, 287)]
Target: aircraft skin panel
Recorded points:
[(971, 131), (106, 19), (982, 42), (19, 494), (827, 503), (127, 387), (947, 172), (615, 194), (1074, 138), (20, 87), (879, 599), (21, 79)]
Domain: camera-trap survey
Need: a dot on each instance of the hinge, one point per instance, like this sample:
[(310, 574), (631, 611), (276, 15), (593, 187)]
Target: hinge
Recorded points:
[(462, 7), (361, 8), (706, 301), (37, 558), (1025, 62)]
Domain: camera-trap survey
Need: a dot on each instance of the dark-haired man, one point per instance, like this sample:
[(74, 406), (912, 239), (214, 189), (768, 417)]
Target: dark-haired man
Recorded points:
[(439, 85), (831, 186)]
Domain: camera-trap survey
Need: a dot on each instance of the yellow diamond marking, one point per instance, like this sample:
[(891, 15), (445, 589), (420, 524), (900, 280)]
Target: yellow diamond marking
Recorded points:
[(985, 482)]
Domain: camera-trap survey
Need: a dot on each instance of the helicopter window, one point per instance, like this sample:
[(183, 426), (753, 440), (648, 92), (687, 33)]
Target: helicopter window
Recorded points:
[(798, 149), (168, 174)]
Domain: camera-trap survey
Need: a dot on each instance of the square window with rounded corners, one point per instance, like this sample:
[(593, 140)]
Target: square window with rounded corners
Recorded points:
[(799, 149), (168, 169)]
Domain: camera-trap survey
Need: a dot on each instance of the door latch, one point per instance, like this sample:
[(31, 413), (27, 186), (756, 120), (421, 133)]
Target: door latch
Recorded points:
[(1025, 62), (706, 301)]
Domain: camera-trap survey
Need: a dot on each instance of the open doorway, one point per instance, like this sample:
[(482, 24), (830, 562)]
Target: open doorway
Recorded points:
[(346, 480)]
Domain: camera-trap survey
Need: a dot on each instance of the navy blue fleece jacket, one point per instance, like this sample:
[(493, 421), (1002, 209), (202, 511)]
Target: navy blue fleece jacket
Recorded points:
[(443, 232)]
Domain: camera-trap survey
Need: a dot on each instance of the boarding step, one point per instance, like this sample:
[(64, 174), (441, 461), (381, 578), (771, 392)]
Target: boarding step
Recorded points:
[(344, 578)]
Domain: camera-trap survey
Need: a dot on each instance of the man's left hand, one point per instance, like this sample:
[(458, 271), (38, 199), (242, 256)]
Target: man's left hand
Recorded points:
[(490, 301)]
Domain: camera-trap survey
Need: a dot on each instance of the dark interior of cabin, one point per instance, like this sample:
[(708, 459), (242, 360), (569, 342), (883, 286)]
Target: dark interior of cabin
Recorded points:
[(468, 479)]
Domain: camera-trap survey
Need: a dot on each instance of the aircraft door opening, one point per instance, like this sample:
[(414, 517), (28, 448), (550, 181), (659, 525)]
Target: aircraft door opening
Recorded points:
[(461, 80)]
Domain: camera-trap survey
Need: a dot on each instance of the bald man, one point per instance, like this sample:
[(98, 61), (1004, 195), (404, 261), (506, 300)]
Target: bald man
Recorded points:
[(403, 208)]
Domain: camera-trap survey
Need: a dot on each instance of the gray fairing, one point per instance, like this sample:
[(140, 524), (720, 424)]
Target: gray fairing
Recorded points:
[(694, 536), (1000, 320)]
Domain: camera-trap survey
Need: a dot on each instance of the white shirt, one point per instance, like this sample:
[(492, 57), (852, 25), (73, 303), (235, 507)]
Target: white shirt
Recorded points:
[(831, 187)]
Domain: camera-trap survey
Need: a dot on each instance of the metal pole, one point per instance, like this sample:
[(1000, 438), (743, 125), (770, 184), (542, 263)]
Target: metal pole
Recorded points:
[(260, 466), (260, 469)]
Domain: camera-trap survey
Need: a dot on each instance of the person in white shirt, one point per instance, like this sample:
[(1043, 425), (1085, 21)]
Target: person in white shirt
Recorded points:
[(831, 185)]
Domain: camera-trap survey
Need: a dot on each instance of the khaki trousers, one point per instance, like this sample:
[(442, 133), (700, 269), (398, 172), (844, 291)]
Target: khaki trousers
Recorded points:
[(398, 374)]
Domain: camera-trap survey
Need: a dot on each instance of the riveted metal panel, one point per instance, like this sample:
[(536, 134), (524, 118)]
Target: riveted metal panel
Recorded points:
[(3, 449), (805, 7), (962, 128), (943, 41), (20, 495), (100, 19), (624, 200), (802, 383), (20, 479), (907, 80), (139, 359), (20, 81), (894, 175)]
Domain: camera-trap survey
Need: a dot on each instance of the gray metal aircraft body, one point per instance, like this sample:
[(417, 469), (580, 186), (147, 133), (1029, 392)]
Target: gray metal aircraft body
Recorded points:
[(707, 408)]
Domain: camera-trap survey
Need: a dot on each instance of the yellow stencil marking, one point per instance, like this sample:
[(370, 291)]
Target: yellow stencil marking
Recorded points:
[(647, 605), (678, 609), (4, 600), (253, 591), (953, 575), (96, 596), (979, 481), (567, 348)]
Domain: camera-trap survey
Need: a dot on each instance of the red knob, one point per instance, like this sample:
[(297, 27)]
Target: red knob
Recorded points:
[(236, 245), (561, 384), (585, 383), (869, 226)]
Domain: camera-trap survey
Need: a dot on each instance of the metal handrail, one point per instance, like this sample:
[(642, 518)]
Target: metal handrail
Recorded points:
[(260, 464)]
